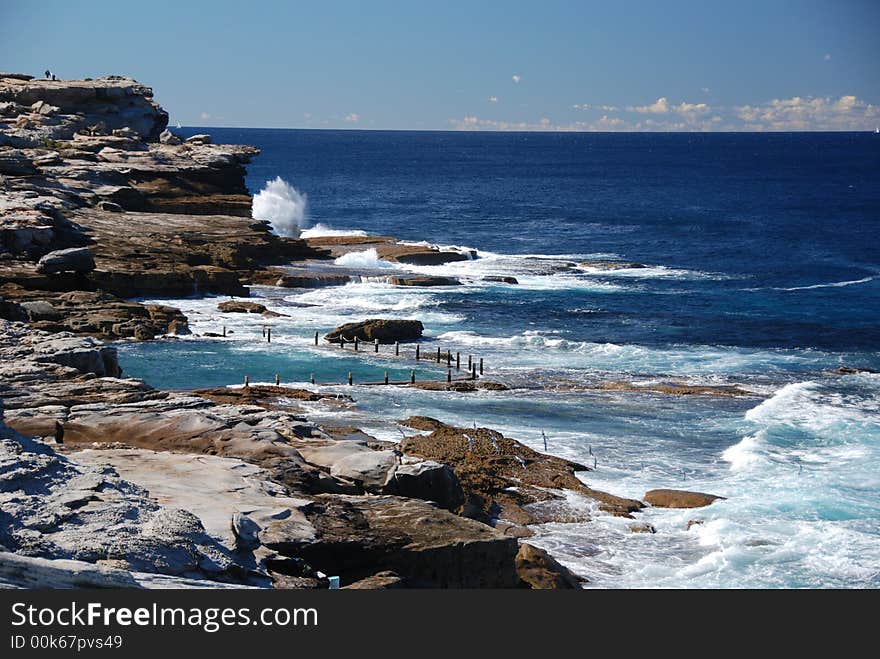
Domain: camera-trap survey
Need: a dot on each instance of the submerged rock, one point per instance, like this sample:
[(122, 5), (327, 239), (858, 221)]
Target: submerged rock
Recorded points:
[(424, 280), (387, 331), (679, 499), (238, 306)]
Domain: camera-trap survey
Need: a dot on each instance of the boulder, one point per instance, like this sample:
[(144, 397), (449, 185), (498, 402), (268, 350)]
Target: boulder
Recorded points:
[(40, 310), (379, 581), (538, 570), (74, 259), (679, 499), (369, 469), (237, 306), (428, 480), (387, 331), (503, 280), (424, 280), (642, 527)]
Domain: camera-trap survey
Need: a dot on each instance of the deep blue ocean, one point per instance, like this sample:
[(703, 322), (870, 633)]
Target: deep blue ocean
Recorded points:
[(762, 271)]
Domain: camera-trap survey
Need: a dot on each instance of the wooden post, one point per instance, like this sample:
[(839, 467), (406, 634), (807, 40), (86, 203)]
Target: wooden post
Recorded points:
[(470, 361), (438, 354), (448, 359), (355, 343), (224, 330), (417, 352), (312, 378), (458, 361), (474, 372), (397, 348), (349, 378), (268, 335), (263, 327), (376, 345), (316, 338), (412, 377), (247, 381), (448, 375), (386, 377), (481, 365), (277, 379)]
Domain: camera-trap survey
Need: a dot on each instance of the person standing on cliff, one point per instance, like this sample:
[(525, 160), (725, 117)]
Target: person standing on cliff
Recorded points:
[(48, 73)]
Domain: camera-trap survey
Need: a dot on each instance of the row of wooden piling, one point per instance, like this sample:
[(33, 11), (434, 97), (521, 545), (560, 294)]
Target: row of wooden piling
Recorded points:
[(472, 364), (439, 358)]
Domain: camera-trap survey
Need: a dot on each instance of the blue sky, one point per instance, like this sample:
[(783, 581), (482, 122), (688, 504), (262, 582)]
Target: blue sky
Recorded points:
[(548, 65)]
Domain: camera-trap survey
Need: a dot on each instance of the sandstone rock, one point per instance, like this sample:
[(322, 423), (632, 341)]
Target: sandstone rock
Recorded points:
[(611, 265), (679, 499), (387, 331), (201, 138), (369, 469), (40, 310), (538, 570), (424, 281), (316, 280), (238, 306), (15, 163), (504, 280), (425, 545), (379, 581), (428, 480), (167, 137), (109, 206), (642, 527), (74, 259), (500, 476)]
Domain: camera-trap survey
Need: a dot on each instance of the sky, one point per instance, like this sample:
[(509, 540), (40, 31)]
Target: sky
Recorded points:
[(476, 65)]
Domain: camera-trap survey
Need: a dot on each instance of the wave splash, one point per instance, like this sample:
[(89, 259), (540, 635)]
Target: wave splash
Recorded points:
[(280, 204), (368, 258)]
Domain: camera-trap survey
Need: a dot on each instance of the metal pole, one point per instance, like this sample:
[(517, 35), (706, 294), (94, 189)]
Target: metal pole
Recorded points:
[(412, 377), (316, 338), (458, 361), (247, 381), (438, 354), (481, 365), (312, 378), (355, 343), (376, 344), (268, 335), (277, 379), (397, 348), (386, 377), (349, 379), (224, 330)]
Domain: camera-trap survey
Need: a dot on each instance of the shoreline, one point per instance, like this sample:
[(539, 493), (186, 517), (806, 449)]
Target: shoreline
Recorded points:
[(104, 205)]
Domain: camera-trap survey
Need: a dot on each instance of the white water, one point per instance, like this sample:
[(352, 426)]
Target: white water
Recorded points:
[(280, 204)]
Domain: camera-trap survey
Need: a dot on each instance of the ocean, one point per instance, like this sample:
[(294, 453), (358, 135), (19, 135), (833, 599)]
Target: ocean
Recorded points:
[(762, 270)]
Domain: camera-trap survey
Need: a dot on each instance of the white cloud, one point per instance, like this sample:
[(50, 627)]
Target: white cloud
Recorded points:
[(353, 117), (846, 112), (515, 78), (493, 99), (797, 113), (660, 106)]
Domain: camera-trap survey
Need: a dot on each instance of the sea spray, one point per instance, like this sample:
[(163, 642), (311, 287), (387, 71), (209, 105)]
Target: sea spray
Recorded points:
[(282, 206), (368, 258)]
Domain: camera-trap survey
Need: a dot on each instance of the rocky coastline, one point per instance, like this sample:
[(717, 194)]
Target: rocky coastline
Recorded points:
[(108, 482)]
